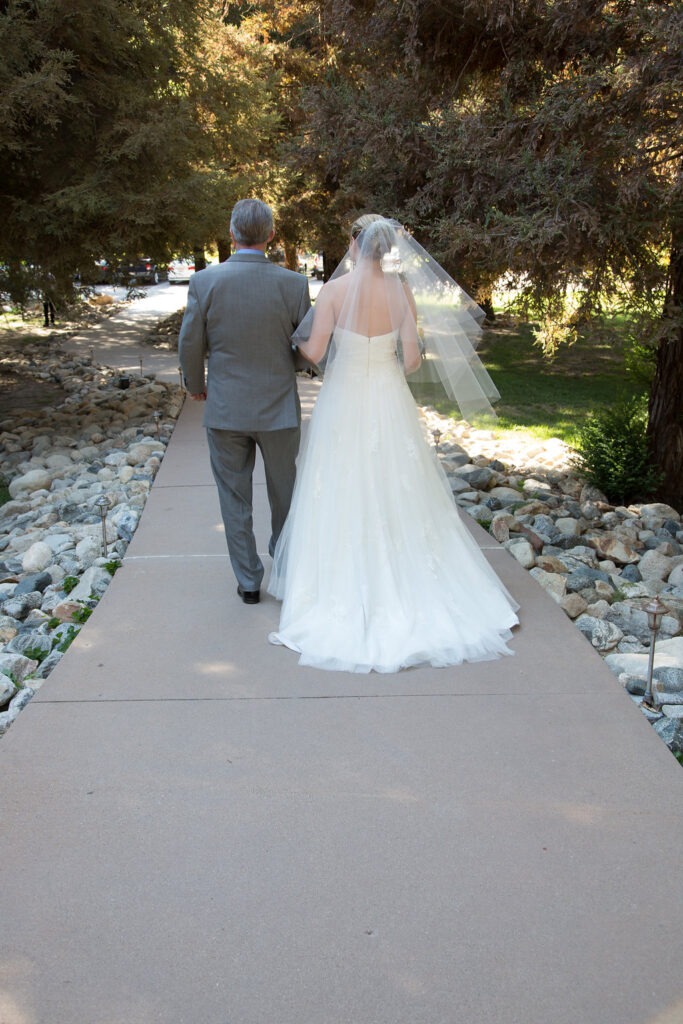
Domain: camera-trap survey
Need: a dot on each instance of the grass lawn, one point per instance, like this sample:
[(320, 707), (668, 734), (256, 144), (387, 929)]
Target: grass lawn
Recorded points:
[(548, 397)]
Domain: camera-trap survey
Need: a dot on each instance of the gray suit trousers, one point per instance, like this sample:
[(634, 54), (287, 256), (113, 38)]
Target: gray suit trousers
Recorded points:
[(233, 454)]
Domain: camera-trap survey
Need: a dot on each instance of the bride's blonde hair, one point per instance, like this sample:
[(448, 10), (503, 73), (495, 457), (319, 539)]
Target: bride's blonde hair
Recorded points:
[(360, 223), (375, 235)]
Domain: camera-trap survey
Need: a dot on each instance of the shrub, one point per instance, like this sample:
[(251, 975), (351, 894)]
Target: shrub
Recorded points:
[(612, 452), (69, 583)]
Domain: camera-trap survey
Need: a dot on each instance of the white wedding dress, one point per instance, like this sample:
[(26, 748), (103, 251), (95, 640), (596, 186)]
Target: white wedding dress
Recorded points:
[(374, 567)]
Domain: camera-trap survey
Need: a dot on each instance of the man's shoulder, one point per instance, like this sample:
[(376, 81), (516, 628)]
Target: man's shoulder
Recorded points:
[(291, 278)]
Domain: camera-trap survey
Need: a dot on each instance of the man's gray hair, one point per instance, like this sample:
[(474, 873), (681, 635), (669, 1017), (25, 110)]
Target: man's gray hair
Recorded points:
[(251, 222)]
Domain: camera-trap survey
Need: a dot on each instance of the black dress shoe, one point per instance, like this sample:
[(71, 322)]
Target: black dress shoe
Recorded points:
[(249, 596)]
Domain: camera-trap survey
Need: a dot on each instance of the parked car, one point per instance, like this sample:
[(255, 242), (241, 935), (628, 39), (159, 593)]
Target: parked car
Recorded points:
[(180, 270), (141, 271), (99, 272)]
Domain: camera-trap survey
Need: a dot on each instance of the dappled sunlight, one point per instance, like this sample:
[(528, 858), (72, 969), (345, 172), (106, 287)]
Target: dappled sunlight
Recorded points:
[(401, 796), (11, 1013), (584, 815), (215, 668), (579, 814), (409, 984), (672, 1015), (15, 974)]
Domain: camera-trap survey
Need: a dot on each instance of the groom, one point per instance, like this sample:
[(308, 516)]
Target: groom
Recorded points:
[(242, 314)]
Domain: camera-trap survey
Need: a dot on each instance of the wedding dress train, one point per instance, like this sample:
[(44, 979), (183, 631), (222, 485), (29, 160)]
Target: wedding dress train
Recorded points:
[(374, 567)]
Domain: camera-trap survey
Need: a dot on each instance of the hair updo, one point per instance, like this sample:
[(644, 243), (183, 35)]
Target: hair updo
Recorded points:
[(374, 235)]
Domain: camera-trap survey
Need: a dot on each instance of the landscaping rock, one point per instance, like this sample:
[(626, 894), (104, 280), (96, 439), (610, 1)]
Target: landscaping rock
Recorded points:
[(522, 551), (37, 558)]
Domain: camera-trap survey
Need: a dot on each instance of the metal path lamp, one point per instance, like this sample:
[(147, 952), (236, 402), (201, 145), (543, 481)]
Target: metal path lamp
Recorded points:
[(655, 612)]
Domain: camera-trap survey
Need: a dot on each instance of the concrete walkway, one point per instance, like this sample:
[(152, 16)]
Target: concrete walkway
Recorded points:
[(194, 830)]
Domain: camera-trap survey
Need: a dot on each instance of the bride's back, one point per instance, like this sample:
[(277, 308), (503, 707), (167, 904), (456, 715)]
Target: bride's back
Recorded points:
[(363, 304)]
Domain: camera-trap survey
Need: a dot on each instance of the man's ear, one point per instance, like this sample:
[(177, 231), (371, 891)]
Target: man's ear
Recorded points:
[(271, 236)]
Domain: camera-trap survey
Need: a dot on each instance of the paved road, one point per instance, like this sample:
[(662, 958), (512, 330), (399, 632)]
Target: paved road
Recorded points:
[(194, 830), (116, 340)]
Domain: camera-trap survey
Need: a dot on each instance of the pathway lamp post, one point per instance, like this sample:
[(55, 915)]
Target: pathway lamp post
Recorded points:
[(655, 612), (180, 376), (141, 366), (436, 434), (157, 421), (102, 505)]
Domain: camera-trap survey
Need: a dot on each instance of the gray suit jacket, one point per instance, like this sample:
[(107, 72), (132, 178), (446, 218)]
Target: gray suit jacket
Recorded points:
[(242, 314)]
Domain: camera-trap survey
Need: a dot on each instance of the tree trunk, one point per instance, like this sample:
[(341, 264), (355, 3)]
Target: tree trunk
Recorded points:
[(665, 421), (223, 249), (199, 258), (291, 259)]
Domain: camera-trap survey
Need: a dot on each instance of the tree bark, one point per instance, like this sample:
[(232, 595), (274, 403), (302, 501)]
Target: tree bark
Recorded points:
[(199, 258), (224, 249), (291, 258), (665, 420)]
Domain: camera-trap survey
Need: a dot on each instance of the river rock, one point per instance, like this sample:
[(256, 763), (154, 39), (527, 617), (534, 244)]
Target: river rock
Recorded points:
[(125, 520), (37, 557), (33, 645), (606, 635), (670, 730), (478, 477), (506, 495), (552, 582), (35, 581), (7, 689), (585, 577), (16, 666), (574, 605), (34, 480), (522, 551), (88, 550), (568, 526), (93, 583), (654, 565), (631, 618), (17, 704), (615, 548), (660, 512)]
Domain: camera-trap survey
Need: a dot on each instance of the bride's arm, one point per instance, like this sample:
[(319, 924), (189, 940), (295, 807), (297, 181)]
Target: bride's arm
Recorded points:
[(315, 346), (410, 341)]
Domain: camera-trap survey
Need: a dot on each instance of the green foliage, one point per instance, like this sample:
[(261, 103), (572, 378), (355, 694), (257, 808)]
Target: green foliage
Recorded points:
[(613, 453), (548, 397), (112, 566), (69, 583), (35, 653), (5, 495), (81, 615), (53, 623), (539, 141), (128, 127), (67, 639)]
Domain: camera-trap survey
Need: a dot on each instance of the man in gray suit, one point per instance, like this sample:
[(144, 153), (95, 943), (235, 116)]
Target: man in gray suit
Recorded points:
[(242, 314)]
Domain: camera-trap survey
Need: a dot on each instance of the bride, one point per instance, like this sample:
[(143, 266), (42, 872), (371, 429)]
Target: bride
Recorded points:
[(374, 567)]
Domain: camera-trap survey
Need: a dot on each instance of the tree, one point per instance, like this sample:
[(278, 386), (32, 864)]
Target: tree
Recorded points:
[(130, 127), (538, 139)]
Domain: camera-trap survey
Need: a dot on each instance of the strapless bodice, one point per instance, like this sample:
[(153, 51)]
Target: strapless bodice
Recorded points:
[(361, 352)]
